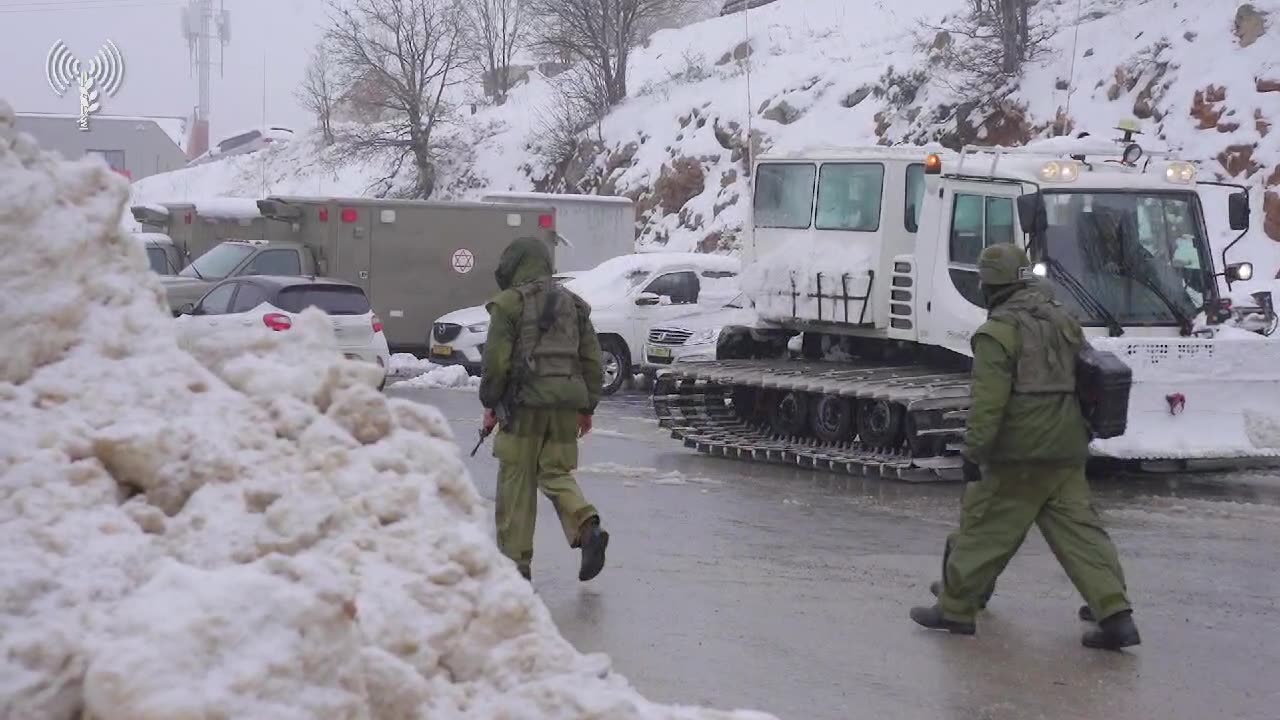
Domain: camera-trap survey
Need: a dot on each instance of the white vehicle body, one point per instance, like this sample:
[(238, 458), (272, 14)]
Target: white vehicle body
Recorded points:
[(254, 302), (592, 228), (871, 254), (627, 295), (693, 338)]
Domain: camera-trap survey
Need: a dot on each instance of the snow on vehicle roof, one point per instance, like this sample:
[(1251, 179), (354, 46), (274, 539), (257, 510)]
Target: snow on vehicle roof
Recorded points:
[(316, 548), (152, 237), (615, 277), (228, 207), (558, 197)]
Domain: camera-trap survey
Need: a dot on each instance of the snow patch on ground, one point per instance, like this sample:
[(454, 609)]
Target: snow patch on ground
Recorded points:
[(452, 376), (253, 533)]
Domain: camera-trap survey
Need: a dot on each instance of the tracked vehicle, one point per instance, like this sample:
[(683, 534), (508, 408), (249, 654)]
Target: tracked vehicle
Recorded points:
[(862, 265)]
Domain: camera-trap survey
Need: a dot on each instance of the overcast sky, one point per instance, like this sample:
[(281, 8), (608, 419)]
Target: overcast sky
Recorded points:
[(158, 78)]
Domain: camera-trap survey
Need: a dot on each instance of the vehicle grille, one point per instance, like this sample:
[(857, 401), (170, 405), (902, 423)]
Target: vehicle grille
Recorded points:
[(444, 332), (667, 336)]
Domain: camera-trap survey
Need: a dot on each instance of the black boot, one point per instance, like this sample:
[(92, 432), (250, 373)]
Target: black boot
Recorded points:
[(593, 541), (935, 587), (931, 617), (1113, 633)]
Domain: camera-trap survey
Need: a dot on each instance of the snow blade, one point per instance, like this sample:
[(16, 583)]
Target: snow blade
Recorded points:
[(1198, 399)]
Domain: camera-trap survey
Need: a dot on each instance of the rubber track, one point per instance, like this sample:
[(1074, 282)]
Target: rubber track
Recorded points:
[(691, 401)]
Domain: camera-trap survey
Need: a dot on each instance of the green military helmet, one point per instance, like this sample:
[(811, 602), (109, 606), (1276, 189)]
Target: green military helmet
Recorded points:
[(1002, 264)]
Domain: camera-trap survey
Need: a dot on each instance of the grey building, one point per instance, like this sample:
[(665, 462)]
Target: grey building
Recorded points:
[(133, 146)]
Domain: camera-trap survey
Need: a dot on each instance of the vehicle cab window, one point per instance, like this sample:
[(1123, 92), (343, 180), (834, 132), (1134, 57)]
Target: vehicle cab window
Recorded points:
[(249, 297), (849, 196), (681, 287), (275, 262), (977, 222), (217, 301)]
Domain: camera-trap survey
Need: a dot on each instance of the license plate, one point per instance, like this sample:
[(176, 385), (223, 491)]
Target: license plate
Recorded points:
[(444, 350), (660, 352)]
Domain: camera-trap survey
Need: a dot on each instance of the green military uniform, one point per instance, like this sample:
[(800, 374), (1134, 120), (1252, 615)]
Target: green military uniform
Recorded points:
[(1027, 434), (542, 363)]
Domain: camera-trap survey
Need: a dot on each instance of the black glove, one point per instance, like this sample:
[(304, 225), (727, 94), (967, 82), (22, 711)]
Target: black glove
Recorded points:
[(972, 473)]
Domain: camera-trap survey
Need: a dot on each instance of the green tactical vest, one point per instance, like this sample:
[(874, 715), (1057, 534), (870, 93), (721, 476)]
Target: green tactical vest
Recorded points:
[(1051, 340), (553, 352)]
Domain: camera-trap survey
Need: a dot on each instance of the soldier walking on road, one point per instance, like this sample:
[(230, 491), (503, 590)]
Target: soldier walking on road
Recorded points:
[(1025, 450), (541, 382)]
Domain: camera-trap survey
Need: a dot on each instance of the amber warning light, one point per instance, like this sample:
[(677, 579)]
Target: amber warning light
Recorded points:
[(933, 164)]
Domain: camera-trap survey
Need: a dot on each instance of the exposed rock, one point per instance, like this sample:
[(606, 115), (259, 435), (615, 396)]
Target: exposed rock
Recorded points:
[(1228, 127), (1250, 24), (1238, 159), (1088, 53), (725, 59), (1204, 106), (783, 113), (722, 205), (728, 178), (1268, 86), (856, 97), (1190, 36), (679, 183), (1271, 214), (1063, 84), (710, 243), (1261, 123), (743, 50)]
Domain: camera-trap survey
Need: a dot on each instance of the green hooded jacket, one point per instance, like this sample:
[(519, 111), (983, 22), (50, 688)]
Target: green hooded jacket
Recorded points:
[(528, 260), (1027, 414)]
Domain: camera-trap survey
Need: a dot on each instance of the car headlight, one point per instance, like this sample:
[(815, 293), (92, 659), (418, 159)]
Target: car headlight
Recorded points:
[(479, 327), (703, 337)]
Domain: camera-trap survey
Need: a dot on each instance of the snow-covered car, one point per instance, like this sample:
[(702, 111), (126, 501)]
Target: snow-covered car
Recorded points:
[(693, 338), (163, 256), (627, 294), (274, 302), (245, 143)]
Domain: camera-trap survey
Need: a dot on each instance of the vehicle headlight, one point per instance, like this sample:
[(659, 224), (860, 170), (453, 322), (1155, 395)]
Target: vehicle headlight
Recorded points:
[(703, 337), (479, 327), (1060, 171), (1183, 173)]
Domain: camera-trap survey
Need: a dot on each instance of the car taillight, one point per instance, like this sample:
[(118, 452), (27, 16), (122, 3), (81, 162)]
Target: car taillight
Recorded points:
[(377, 324), (277, 321)]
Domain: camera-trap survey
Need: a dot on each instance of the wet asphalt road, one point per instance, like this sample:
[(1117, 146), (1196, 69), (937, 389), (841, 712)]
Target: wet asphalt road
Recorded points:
[(740, 585)]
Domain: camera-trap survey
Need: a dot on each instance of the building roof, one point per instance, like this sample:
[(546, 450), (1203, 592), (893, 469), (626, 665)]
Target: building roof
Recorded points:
[(174, 127)]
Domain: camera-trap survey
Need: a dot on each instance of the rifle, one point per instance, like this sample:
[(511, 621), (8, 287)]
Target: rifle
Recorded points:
[(504, 420)]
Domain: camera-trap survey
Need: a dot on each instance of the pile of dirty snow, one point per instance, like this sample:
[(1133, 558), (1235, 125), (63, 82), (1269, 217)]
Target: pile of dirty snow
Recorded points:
[(443, 376), (257, 533)]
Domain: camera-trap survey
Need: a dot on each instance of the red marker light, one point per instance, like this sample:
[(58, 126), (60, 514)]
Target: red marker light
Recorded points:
[(350, 215), (547, 222), (277, 321), (324, 214)]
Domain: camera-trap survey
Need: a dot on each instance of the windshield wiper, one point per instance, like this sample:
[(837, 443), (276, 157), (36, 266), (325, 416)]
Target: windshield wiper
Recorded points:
[(1086, 298), (1184, 321)]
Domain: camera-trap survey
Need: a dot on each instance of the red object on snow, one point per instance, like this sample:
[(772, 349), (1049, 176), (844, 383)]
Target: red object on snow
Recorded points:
[(1177, 403)]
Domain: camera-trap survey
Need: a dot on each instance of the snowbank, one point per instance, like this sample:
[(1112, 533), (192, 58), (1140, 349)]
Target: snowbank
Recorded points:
[(258, 533), (451, 376)]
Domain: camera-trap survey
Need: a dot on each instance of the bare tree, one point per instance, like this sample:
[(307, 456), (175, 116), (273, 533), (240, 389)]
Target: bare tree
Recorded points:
[(319, 90), (497, 32), (600, 33), (992, 41), (403, 55)]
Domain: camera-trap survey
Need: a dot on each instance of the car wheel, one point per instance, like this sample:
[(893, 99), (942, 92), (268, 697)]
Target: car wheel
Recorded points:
[(616, 365)]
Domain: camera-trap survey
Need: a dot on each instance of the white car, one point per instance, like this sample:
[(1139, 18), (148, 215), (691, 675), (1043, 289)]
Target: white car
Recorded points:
[(693, 338), (627, 294), (275, 301)]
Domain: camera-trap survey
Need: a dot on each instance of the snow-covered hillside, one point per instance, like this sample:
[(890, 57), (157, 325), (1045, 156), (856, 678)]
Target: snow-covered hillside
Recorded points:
[(1202, 77)]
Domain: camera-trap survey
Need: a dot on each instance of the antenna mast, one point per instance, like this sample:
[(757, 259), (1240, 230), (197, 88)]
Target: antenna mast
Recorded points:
[(198, 27)]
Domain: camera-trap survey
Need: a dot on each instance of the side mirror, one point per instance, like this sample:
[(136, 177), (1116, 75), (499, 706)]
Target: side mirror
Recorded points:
[(1238, 211), (1032, 214), (648, 298), (187, 309), (1239, 272)]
